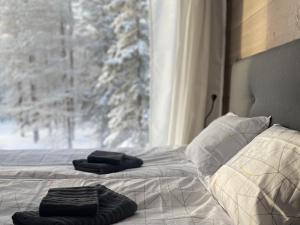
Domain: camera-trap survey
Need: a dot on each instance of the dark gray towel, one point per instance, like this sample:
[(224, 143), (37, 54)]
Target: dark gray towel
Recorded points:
[(114, 158), (103, 168), (80, 201), (112, 208)]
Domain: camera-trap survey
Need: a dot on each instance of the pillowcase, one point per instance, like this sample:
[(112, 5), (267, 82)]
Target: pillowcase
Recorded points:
[(261, 183), (221, 140)]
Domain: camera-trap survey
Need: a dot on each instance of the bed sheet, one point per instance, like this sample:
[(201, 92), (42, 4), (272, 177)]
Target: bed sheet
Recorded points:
[(167, 188)]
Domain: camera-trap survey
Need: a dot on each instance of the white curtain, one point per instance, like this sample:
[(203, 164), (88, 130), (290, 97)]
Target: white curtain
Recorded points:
[(187, 61)]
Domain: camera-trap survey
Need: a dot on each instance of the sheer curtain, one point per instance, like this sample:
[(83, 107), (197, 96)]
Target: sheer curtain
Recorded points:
[(187, 60)]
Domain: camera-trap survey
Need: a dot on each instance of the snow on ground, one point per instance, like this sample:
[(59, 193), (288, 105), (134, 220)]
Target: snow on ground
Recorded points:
[(11, 139)]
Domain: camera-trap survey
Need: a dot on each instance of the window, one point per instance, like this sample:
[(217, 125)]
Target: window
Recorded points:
[(74, 73)]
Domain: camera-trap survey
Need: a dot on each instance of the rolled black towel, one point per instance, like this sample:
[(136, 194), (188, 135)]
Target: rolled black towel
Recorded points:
[(128, 162), (114, 158), (80, 201), (112, 208)]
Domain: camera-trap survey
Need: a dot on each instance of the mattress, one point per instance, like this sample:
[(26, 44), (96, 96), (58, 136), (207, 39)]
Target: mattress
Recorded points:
[(167, 188)]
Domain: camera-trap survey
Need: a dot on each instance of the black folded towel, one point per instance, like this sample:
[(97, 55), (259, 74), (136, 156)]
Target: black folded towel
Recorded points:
[(80, 201), (112, 208), (128, 162), (114, 158)]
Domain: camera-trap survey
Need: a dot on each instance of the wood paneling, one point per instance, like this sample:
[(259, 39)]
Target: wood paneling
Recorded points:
[(257, 25)]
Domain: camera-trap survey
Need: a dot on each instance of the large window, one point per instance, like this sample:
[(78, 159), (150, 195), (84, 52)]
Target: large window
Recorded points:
[(74, 73)]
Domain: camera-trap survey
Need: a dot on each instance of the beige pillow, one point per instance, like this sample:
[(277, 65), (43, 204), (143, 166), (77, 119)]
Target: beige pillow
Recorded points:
[(261, 184)]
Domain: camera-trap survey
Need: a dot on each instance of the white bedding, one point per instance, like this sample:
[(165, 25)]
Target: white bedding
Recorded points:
[(167, 188)]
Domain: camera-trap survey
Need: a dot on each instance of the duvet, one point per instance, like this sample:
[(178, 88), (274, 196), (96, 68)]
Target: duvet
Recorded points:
[(167, 188)]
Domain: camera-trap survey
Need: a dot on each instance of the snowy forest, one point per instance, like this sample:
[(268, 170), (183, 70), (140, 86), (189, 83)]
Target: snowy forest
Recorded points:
[(74, 73)]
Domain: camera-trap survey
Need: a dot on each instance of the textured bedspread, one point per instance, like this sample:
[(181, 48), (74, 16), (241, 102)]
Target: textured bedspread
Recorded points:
[(166, 189)]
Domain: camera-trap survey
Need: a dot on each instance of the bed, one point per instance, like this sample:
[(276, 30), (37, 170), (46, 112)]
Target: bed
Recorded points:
[(168, 188)]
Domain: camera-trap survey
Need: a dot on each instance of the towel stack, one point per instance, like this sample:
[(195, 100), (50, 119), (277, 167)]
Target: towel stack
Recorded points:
[(77, 201), (79, 206), (102, 162)]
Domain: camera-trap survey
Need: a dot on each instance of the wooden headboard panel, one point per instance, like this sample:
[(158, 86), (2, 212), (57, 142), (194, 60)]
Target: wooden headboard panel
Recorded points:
[(255, 26)]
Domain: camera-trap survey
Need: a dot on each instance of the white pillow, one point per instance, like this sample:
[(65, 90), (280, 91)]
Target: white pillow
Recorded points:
[(261, 184), (221, 140)]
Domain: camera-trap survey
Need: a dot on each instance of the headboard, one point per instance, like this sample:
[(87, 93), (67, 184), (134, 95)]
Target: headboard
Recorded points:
[(269, 84)]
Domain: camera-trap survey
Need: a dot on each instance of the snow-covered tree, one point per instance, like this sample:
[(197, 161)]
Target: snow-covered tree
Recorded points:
[(64, 63), (125, 75), (93, 36), (36, 54)]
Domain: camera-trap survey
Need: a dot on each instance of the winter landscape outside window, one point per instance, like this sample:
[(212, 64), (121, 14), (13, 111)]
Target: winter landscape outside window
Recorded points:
[(74, 73)]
